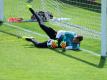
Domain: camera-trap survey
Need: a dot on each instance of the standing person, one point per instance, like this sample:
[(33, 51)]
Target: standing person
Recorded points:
[(58, 39)]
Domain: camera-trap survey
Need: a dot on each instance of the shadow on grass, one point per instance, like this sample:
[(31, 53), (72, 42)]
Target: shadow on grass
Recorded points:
[(11, 34), (102, 61), (85, 4), (70, 56), (29, 46), (63, 52)]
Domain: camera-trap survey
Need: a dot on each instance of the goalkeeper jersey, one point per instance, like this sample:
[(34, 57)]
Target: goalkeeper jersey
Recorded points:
[(68, 36)]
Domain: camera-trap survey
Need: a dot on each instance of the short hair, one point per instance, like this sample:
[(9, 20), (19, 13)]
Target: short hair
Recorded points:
[(80, 37)]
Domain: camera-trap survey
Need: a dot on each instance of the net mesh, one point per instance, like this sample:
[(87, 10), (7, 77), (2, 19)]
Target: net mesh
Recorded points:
[(80, 16)]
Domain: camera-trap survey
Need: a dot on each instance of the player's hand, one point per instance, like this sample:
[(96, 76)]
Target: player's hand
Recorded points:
[(63, 44), (54, 44)]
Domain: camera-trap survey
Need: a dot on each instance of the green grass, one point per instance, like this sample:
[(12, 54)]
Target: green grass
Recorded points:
[(99, 1), (20, 60)]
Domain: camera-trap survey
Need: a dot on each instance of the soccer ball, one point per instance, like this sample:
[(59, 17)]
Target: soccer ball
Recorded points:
[(52, 43)]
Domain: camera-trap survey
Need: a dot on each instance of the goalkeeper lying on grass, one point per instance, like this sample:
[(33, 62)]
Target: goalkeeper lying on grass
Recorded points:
[(58, 39)]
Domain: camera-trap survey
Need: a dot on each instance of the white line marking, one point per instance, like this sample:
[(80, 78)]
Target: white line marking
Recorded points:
[(26, 30), (91, 52)]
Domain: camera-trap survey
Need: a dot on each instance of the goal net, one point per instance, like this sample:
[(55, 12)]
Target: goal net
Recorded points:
[(85, 17)]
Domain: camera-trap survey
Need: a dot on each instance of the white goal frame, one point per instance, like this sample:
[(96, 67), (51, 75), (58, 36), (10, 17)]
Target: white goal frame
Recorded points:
[(104, 28), (1, 10)]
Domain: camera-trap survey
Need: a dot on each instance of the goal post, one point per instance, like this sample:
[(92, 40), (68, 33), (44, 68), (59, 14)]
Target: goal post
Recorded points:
[(103, 33), (1, 10), (104, 28)]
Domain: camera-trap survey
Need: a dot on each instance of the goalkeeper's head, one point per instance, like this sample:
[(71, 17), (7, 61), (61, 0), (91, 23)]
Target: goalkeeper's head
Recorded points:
[(52, 43), (78, 39)]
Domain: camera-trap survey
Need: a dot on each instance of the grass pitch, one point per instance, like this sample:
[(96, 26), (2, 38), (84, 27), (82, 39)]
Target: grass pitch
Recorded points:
[(20, 60)]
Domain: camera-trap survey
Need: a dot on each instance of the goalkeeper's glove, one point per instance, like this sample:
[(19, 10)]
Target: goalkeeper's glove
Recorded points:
[(54, 44), (63, 44)]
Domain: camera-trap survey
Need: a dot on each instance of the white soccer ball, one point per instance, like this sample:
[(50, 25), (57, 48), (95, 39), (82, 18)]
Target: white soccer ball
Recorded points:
[(52, 43)]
